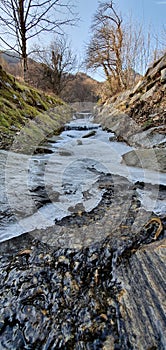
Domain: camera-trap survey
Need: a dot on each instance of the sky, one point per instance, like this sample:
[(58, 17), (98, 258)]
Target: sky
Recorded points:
[(150, 13)]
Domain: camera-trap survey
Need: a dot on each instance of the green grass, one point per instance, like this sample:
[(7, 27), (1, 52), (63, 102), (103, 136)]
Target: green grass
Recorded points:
[(147, 124)]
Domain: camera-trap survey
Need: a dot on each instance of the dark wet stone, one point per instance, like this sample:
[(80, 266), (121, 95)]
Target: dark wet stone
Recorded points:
[(64, 298), (91, 133), (43, 150), (40, 196)]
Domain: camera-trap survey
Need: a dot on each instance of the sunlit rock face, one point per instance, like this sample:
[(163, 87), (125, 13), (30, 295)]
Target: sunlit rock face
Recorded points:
[(142, 108), (163, 75), (147, 158)]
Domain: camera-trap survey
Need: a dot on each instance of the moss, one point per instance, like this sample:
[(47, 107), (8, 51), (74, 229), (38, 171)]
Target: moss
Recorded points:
[(29, 110), (4, 122), (147, 124)]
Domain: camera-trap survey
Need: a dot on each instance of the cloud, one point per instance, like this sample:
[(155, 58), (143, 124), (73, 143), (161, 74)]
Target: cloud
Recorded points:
[(161, 2)]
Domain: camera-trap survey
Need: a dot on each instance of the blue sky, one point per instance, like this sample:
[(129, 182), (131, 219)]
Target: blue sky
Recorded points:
[(147, 12)]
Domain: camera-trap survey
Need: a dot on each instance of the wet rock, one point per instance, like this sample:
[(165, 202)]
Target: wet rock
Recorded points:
[(43, 150), (40, 196), (142, 303), (61, 288), (59, 298), (83, 125), (91, 133), (66, 298), (79, 142), (65, 153)]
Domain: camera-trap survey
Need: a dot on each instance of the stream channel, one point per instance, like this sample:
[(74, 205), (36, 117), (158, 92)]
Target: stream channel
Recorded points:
[(62, 179), (80, 267)]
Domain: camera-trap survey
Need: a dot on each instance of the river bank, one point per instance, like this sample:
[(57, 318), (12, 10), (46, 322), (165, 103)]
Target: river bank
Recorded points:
[(25, 110), (138, 117)]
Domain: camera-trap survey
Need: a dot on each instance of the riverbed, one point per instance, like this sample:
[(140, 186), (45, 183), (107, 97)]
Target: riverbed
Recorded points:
[(62, 178), (82, 253)]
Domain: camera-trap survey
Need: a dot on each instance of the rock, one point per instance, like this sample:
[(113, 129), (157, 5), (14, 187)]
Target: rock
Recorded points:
[(83, 299), (148, 93), (43, 150), (154, 159), (143, 100), (120, 123), (65, 153), (139, 301), (89, 134), (158, 66), (79, 142), (163, 75), (55, 297), (149, 138)]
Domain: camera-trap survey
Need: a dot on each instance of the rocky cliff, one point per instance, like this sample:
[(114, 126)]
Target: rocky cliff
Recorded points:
[(138, 117)]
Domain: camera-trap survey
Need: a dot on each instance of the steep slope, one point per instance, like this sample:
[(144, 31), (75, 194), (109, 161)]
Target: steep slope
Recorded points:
[(142, 109), (138, 117), (146, 102), (19, 104)]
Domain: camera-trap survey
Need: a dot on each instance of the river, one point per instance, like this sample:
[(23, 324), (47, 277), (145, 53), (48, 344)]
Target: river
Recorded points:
[(62, 178), (87, 270)]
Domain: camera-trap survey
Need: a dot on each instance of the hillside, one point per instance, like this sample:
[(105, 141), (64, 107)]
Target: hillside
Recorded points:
[(19, 104), (75, 87)]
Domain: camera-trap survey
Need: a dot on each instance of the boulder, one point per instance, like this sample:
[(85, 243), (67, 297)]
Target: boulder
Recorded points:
[(154, 159), (149, 138)]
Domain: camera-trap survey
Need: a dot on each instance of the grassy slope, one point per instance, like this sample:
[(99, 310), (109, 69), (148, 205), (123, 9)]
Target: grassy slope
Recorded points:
[(20, 104)]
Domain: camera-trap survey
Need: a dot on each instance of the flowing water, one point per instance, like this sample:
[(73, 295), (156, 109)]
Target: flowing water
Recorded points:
[(62, 178), (82, 282)]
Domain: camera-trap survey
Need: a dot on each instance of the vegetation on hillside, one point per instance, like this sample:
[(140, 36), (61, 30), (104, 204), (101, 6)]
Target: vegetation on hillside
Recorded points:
[(20, 104)]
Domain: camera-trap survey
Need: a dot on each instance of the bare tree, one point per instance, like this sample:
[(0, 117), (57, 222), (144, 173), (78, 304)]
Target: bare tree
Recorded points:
[(160, 43), (22, 20), (121, 49), (136, 51), (57, 63), (104, 49)]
